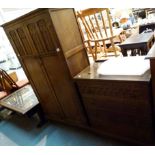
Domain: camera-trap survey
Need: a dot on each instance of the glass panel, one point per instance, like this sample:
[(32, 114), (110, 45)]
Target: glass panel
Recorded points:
[(21, 100)]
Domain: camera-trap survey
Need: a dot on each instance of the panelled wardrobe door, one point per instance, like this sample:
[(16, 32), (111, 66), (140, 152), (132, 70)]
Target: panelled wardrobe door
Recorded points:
[(46, 93), (68, 33), (32, 41), (64, 90)]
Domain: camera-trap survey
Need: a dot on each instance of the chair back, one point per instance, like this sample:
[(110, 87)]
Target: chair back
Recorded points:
[(96, 23), (6, 82), (96, 28)]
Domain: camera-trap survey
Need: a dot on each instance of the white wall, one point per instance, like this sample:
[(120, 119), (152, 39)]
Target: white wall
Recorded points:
[(6, 51)]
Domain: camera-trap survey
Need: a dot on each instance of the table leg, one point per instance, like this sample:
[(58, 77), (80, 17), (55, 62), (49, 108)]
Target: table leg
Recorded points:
[(144, 50), (139, 52), (133, 52), (41, 116), (37, 110), (124, 52)]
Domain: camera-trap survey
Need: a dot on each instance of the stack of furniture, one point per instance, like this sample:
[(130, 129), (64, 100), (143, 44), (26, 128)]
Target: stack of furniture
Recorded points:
[(50, 48)]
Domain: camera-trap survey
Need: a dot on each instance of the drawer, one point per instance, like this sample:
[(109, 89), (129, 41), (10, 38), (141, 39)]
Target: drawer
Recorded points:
[(129, 90), (131, 107)]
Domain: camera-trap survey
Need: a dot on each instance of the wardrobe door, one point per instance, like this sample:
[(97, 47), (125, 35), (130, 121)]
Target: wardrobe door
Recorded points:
[(64, 89), (43, 86), (45, 40), (68, 33)]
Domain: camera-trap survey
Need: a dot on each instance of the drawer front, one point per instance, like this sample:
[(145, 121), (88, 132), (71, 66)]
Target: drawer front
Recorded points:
[(131, 107), (121, 96)]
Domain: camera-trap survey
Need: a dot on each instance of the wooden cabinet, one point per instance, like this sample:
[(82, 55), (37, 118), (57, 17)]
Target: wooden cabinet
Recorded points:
[(119, 106), (50, 49)]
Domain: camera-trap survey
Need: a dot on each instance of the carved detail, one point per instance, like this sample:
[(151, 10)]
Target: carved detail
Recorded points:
[(116, 90), (17, 43), (35, 37), (46, 36), (41, 37), (24, 40), (118, 107)]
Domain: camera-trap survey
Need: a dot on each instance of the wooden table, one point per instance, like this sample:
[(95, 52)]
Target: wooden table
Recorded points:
[(140, 43), (23, 101)]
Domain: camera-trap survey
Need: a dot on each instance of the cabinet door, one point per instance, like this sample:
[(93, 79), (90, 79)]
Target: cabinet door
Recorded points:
[(68, 33), (63, 88), (46, 93)]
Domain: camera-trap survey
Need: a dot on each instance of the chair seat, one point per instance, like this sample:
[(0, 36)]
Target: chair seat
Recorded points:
[(3, 94), (22, 83)]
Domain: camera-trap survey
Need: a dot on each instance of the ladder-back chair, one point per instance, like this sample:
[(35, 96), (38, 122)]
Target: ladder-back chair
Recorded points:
[(98, 34), (7, 84)]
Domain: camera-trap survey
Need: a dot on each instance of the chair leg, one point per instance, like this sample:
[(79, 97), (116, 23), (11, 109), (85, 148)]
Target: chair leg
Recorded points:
[(113, 45), (91, 51), (95, 51), (104, 46)]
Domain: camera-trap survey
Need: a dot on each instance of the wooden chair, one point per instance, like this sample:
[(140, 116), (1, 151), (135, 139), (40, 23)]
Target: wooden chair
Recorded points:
[(98, 34), (7, 84)]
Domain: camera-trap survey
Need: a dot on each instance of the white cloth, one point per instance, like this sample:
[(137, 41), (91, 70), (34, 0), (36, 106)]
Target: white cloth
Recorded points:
[(136, 65)]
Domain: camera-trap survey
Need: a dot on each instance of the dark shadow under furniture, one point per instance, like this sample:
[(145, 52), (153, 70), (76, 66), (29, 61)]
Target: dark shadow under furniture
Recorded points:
[(138, 44)]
